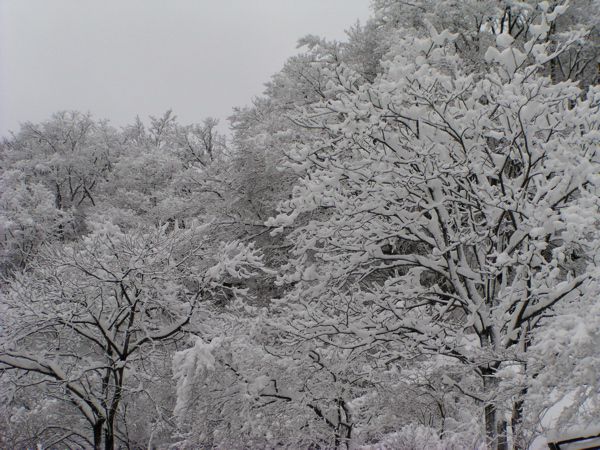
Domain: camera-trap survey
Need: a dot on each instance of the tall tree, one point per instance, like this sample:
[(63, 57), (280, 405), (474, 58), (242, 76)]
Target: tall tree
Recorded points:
[(450, 213)]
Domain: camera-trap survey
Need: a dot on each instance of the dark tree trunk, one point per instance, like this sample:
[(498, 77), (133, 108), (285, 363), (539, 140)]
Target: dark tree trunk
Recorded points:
[(490, 426), (58, 198), (109, 437), (496, 426), (502, 434), (516, 420), (98, 435)]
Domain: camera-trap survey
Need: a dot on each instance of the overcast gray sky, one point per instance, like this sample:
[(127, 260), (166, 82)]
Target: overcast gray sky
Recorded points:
[(119, 58)]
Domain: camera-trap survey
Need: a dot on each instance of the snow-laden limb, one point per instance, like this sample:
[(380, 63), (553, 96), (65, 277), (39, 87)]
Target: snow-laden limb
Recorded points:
[(90, 407), (565, 394), (188, 366)]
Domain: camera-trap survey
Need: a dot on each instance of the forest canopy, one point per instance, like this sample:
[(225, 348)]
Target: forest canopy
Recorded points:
[(396, 247)]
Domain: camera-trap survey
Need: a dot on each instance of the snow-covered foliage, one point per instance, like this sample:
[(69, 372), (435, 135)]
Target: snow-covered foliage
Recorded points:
[(451, 212), (91, 319), (398, 249)]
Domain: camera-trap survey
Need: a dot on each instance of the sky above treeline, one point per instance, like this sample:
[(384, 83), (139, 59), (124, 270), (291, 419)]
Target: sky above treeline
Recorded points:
[(122, 58)]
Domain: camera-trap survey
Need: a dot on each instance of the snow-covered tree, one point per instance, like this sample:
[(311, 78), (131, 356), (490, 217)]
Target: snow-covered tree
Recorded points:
[(28, 218), (238, 387), (449, 213), (70, 153), (434, 188), (88, 321), (51, 175), (478, 23)]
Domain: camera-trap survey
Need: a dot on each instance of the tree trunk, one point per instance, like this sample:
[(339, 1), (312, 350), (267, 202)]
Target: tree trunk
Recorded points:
[(495, 425), (515, 422), (58, 198), (98, 435), (491, 432), (502, 434), (109, 437)]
